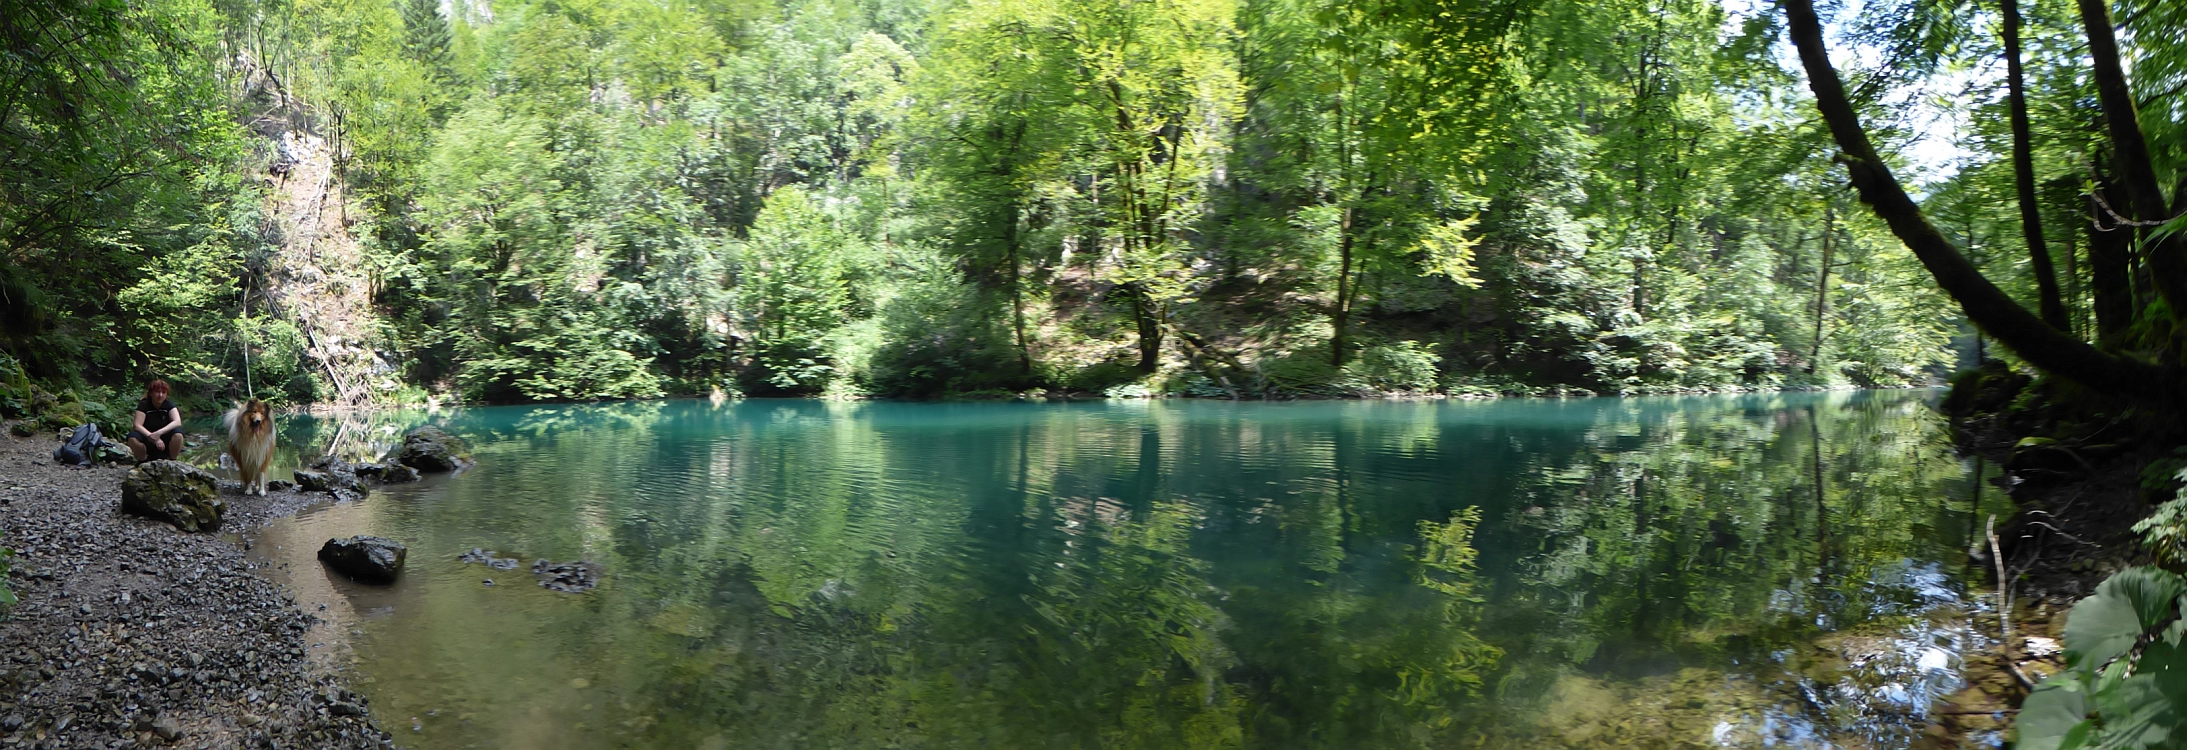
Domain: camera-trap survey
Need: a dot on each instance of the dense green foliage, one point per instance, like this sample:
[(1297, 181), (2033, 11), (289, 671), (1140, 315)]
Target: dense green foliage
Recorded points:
[(625, 198), (628, 198), (2126, 682), (2125, 686)]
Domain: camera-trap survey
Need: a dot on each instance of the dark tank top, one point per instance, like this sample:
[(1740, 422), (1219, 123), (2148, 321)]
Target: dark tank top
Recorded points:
[(156, 415)]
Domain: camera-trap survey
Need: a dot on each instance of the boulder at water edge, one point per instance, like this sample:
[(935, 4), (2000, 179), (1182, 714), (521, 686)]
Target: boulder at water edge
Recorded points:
[(175, 492), (341, 483), (431, 449), (369, 559)]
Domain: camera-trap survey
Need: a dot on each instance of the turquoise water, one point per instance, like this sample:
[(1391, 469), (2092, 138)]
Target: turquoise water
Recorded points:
[(1722, 570)]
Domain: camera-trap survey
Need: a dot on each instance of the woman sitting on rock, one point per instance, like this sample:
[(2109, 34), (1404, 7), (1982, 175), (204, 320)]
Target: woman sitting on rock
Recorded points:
[(158, 430)]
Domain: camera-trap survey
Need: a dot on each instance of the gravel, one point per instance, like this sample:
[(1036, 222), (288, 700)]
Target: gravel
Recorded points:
[(130, 633)]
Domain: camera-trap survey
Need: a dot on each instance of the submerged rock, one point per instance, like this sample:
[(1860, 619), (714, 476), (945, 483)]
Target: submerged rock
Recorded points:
[(570, 578), (175, 492), (369, 559), (483, 557), (432, 449)]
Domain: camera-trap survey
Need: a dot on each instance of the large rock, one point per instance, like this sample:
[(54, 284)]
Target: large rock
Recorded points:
[(332, 464), (331, 477), (369, 559), (388, 473), (397, 474), (431, 449), (175, 492), (58, 410)]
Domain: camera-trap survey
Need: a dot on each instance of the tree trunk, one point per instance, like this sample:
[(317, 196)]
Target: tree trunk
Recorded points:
[(1822, 284), (2167, 257), (2023, 168), (1985, 305), (1341, 313), (2110, 282), (1017, 287), (1144, 314)]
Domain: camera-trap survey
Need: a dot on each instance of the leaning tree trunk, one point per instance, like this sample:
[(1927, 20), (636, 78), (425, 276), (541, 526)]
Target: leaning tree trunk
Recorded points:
[(2043, 346)]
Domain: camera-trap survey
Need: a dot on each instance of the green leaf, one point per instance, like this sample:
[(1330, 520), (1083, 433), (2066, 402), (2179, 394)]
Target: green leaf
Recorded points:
[(2056, 712), (2138, 713), (2107, 625)]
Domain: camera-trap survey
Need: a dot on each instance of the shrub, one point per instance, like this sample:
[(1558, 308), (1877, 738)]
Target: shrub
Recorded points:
[(1306, 372), (2125, 684), (1101, 376), (2165, 530), (1405, 366), (941, 336)]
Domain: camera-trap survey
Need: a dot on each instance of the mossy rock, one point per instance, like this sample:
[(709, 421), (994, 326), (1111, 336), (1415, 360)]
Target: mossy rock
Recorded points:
[(58, 410), (1987, 389), (431, 449), (175, 492)]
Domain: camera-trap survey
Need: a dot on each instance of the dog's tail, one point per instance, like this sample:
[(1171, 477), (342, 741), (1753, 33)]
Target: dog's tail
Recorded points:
[(233, 418)]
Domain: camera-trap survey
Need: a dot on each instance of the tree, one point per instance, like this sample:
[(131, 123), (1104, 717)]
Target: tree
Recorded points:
[(2041, 344)]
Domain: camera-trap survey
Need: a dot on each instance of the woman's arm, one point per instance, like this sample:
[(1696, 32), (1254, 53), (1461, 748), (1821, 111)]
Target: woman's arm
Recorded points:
[(139, 417), (174, 421)]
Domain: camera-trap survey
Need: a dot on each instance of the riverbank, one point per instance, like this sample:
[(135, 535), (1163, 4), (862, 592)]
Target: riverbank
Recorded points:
[(2081, 470), (131, 633)]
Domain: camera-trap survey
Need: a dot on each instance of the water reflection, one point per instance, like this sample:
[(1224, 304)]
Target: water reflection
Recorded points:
[(1721, 570)]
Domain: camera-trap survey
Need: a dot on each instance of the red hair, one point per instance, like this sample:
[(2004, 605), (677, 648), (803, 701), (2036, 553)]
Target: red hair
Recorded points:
[(155, 390)]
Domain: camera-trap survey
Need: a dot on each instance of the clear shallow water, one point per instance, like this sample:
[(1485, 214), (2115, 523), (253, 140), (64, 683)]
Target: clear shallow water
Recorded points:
[(1521, 573)]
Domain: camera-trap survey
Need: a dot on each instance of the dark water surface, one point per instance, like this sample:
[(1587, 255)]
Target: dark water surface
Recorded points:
[(1769, 570)]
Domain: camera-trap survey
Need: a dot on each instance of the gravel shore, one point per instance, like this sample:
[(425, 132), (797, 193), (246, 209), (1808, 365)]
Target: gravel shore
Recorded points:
[(131, 633)]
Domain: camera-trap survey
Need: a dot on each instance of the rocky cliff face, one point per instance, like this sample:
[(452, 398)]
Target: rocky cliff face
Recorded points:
[(316, 276)]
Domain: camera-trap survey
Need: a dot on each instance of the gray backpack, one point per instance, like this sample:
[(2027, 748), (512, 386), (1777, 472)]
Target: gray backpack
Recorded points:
[(80, 445)]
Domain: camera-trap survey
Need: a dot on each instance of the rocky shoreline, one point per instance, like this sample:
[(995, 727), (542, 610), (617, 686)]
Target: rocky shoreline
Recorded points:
[(131, 633)]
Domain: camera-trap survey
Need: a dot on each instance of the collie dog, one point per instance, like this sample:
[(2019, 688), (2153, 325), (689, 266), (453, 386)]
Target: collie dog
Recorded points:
[(250, 443)]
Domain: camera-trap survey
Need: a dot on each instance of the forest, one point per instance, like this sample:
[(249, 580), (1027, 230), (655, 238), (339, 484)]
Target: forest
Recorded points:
[(385, 201)]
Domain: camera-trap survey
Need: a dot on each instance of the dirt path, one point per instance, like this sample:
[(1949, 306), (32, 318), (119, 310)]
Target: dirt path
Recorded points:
[(131, 633)]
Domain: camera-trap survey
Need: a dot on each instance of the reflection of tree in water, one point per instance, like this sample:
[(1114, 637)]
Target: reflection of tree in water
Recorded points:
[(827, 602), (1725, 536), (820, 574), (359, 435)]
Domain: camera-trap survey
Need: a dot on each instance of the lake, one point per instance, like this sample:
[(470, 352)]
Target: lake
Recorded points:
[(1748, 570)]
